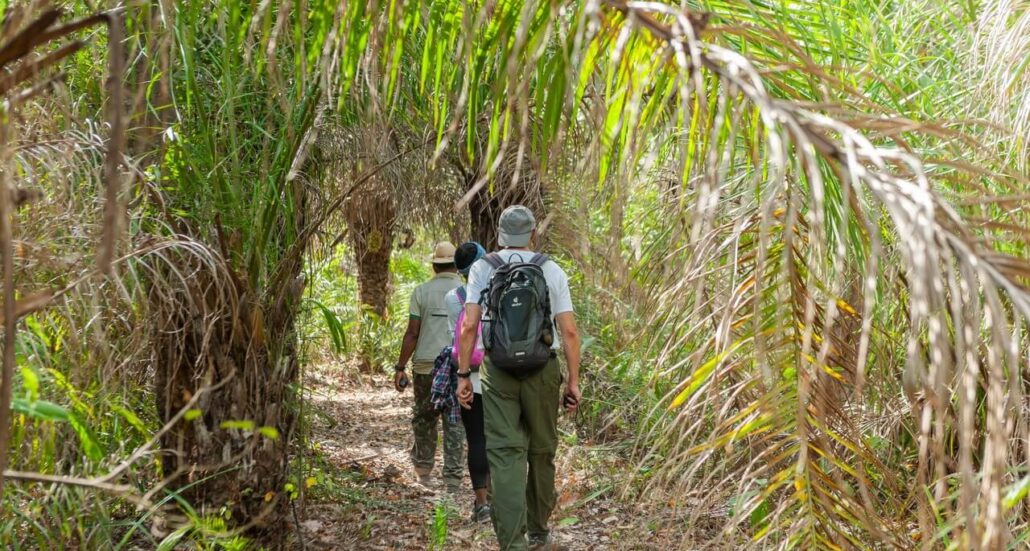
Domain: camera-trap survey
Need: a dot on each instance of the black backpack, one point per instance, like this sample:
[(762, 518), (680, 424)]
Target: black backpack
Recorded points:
[(518, 331)]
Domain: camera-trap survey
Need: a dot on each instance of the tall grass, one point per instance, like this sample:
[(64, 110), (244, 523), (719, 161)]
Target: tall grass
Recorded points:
[(819, 266), (805, 218), (74, 361)]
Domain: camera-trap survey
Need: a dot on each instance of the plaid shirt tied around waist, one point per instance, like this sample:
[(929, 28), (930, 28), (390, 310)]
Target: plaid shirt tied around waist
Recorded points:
[(443, 393)]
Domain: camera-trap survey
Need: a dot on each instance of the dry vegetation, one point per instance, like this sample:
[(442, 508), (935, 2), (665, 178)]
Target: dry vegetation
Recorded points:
[(798, 239)]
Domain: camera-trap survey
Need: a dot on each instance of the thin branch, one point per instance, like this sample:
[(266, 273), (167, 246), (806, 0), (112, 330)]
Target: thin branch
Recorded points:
[(93, 483), (113, 162), (142, 450), (9, 311)]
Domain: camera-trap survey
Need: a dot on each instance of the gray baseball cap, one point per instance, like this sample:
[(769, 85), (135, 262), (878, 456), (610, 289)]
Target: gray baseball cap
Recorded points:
[(515, 226)]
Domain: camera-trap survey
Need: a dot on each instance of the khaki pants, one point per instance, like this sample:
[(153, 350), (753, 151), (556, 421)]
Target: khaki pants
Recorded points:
[(521, 422), (425, 421)]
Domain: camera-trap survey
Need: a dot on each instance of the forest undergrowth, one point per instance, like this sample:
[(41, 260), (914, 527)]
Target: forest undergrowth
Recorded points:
[(362, 493), (361, 490), (796, 234)]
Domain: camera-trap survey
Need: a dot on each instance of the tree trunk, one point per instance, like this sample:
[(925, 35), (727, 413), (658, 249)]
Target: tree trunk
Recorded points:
[(226, 355), (372, 220), (372, 254), (230, 360), (485, 208), (483, 214)]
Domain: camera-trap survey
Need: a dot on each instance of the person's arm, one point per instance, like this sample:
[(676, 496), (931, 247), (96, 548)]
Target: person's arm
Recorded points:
[(410, 341), (408, 344), (570, 346), (468, 333), (469, 326), (467, 341)]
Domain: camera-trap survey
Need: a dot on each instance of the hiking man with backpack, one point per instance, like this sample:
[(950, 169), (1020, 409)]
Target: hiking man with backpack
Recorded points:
[(529, 316), (427, 334)]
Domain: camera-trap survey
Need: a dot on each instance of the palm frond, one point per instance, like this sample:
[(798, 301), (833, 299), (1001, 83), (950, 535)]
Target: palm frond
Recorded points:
[(775, 273)]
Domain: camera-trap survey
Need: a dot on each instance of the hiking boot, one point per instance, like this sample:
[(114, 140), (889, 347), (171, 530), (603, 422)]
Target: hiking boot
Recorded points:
[(481, 513), (543, 542), (453, 486), (425, 476)]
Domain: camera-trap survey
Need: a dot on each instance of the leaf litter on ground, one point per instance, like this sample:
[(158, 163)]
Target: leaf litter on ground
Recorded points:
[(372, 500)]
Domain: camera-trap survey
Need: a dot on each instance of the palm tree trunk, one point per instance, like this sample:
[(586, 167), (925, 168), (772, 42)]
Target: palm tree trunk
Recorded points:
[(483, 213), (226, 355), (374, 271), (229, 359), (372, 223), (485, 208)]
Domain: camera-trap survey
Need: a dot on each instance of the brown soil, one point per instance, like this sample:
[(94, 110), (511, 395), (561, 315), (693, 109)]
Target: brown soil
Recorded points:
[(363, 494)]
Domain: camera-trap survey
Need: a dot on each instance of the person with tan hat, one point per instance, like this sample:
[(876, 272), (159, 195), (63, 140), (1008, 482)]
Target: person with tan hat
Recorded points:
[(427, 334)]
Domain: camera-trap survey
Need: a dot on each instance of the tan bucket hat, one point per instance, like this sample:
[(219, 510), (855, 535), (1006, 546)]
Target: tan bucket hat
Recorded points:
[(443, 253)]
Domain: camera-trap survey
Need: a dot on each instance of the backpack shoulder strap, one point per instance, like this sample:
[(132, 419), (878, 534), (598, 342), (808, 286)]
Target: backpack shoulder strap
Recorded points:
[(539, 259), (460, 292), (494, 260)]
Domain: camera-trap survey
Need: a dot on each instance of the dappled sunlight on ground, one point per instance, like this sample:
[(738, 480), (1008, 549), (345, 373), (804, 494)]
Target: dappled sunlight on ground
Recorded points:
[(366, 496)]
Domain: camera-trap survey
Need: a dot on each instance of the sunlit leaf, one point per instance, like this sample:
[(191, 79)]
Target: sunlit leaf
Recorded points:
[(269, 432), (244, 425)]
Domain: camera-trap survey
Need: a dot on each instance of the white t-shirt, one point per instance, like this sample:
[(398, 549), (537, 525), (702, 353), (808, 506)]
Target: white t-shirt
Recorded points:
[(454, 306), (557, 283)]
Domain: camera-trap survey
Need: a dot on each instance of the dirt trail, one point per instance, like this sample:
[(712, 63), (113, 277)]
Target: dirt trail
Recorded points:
[(364, 495)]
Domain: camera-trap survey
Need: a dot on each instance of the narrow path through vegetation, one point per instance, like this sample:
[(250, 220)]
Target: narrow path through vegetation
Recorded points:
[(364, 495), (796, 241)]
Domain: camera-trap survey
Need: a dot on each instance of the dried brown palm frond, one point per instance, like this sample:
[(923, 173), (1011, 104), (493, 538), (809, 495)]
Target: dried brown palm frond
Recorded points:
[(771, 320), (486, 190), (999, 50), (28, 70)]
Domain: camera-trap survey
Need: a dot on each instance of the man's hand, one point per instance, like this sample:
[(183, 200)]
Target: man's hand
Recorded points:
[(572, 396), (570, 345), (397, 378), (465, 395)]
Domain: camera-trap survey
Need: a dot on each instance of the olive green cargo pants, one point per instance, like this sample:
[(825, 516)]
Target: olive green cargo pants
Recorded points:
[(425, 420), (521, 422)]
